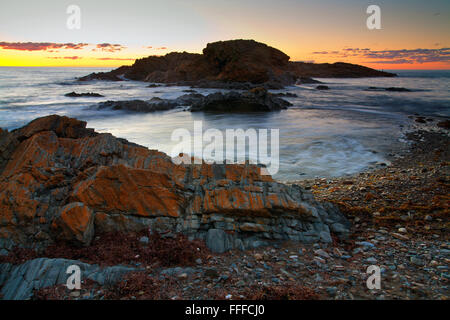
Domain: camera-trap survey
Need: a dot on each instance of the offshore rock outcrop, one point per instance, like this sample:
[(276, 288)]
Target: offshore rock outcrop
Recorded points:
[(233, 64), (73, 94), (257, 99), (62, 181)]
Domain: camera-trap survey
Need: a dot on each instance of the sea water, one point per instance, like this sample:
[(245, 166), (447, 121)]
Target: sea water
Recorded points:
[(327, 133)]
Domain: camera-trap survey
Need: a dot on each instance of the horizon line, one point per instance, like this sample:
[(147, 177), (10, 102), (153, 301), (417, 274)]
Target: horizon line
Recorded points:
[(106, 67)]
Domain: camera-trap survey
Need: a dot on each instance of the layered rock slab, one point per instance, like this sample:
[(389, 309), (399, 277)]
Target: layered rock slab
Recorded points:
[(61, 181), (17, 282)]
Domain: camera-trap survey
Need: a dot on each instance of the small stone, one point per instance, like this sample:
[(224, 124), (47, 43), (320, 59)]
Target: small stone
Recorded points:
[(331, 291), (319, 260), (198, 261), (428, 218), (337, 252), (211, 273), (75, 294), (223, 277), (322, 253), (366, 244), (402, 230), (376, 214), (400, 236), (144, 239), (371, 260), (416, 261), (258, 256)]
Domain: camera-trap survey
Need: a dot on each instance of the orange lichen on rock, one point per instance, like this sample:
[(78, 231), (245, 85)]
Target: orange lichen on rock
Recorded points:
[(75, 221), (60, 181), (119, 189)]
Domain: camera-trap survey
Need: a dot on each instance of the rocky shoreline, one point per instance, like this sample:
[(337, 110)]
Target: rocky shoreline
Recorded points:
[(63, 183), (399, 217)]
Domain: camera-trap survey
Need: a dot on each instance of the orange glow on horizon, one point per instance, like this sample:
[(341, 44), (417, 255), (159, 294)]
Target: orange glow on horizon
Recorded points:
[(88, 58)]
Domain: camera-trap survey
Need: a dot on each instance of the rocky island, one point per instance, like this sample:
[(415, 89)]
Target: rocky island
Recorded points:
[(233, 64)]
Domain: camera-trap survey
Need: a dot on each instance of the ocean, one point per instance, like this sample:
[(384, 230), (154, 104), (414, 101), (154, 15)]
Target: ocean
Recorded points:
[(332, 133)]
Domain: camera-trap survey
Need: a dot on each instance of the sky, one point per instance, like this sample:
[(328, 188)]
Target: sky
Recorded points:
[(414, 34)]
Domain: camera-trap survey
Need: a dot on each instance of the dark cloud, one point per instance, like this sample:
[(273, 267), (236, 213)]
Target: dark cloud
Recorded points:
[(40, 46), (71, 58), (53, 47), (326, 52), (108, 47), (402, 56)]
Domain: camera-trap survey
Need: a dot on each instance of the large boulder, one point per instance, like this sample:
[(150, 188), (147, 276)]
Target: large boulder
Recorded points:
[(62, 181)]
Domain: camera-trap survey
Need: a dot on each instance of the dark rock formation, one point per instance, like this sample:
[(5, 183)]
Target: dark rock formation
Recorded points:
[(257, 99), (114, 75), (306, 80), (285, 94), (230, 64), (84, 94), (335, 70), (154, 104), (396, 89), (62, 181), (444, 124), (391, 89), (322, 87)]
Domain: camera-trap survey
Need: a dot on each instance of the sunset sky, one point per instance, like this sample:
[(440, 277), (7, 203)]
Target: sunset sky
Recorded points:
[(415, 34)]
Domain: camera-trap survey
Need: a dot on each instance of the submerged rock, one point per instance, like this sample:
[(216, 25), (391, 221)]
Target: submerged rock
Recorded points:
[(73, 94), (285, 94), (444, 124), (60, 180), (396, 89), (391, 89)]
